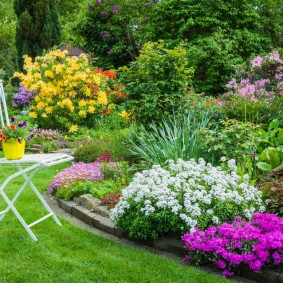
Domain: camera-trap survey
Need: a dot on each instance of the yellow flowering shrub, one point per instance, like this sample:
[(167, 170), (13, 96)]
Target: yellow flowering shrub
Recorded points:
[(67, 92)]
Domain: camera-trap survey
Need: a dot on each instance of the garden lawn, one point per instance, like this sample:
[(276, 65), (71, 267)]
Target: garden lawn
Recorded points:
[(70, 254)]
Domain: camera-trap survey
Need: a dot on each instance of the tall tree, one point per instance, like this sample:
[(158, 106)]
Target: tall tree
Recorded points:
[(114, 30), (7, 39), (38, 27), (220, 34)]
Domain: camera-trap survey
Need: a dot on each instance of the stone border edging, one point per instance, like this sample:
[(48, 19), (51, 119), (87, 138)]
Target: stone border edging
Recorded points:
[(168, 244)]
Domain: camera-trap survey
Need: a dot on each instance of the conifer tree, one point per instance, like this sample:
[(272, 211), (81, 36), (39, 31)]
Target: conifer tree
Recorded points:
[(38, 27)]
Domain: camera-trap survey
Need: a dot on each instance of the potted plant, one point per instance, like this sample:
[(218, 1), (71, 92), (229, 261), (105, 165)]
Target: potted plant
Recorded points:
[(13, 138)]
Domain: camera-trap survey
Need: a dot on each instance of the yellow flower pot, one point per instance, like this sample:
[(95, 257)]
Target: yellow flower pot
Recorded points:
[(13, 149)]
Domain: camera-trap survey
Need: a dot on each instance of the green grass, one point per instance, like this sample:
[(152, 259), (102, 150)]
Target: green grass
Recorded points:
[(70, 254)]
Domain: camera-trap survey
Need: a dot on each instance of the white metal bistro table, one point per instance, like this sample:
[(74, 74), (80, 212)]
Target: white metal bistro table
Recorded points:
[(31, 163)]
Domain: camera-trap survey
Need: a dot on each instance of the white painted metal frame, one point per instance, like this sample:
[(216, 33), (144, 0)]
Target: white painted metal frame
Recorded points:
[(4, 118), (29, 163)]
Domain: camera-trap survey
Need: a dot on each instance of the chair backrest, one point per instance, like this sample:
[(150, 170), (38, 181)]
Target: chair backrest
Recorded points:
[(4, 118)]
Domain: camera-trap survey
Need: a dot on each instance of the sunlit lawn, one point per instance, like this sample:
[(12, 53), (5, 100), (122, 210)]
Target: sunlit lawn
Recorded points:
[(70, 254)]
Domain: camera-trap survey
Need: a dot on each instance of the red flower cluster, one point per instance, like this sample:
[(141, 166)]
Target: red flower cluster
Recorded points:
[(112, 199), (107, 73), (106, 156), (2, 137)]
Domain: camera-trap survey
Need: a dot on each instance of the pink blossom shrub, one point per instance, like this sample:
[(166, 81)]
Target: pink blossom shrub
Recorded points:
[(257, 243), (256, 93)]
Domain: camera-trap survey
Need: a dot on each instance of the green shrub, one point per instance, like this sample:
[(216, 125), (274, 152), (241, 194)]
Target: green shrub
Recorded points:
[(101, 141), (156, 82), (231, 138)]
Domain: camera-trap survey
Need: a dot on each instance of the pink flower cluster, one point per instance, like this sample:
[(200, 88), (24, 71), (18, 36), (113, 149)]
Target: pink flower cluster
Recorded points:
[(77, 172), (261, 82), (256, 243)]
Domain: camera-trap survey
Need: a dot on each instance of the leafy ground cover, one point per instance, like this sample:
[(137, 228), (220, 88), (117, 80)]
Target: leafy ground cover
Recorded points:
[(70, 254)]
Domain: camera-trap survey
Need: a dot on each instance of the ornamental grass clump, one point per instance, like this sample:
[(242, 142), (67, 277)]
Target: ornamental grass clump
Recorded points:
[(77, 172), (184, 196), (255, 243)]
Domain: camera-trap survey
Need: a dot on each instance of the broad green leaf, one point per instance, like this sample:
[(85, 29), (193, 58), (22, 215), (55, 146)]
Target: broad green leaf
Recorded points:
[(264, 166), (274, 124)]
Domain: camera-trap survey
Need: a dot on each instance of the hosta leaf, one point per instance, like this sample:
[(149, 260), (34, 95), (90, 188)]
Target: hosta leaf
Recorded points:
[(264, 166)]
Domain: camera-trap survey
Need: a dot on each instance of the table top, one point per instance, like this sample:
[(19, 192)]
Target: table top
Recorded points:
[(46, 159)]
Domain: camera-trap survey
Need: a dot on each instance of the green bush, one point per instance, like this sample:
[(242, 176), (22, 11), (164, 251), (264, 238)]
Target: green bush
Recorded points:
[(101, 141), (156, 82), (231, 138)]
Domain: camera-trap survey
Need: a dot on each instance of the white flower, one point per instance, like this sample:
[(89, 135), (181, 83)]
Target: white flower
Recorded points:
[(215, 219), (209, 211), (188, 189), (223, 159)]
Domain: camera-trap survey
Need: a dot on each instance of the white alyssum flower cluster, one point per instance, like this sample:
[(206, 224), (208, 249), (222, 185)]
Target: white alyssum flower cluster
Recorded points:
[(189, 189)]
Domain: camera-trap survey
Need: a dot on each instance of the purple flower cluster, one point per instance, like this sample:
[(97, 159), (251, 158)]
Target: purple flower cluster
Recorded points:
[(262, 82), (115, 9), (77, 172), (51, 136), (256, 243), (105, 35), (22, 97)]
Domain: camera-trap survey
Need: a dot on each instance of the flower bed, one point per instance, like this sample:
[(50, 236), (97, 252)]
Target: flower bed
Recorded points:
[(188, 194), (257, 243)]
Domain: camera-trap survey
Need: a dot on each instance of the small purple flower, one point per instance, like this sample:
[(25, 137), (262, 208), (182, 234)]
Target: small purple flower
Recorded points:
[(227, 273), (98, 3), (187, 258), (104, 14), (13, 119), (115, 9), (105, 35), (147, 4), (221, 264), (23, 97), (90, 6), (21, 125), (110, 52)]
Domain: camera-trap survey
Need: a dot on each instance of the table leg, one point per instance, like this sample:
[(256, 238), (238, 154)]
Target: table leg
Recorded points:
[(44, 203), (20, 218), (27, 180)]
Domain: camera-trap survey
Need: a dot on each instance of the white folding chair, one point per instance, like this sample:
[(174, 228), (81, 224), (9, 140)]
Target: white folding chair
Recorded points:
[(31, 163), (4, 118)]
